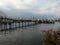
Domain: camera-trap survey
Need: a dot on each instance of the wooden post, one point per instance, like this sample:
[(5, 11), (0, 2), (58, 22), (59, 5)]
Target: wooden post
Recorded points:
[(6, 25), (9, 25), (1, 26), (28, 23), (25, 23), (19, 24), (15, 24), (22, 24), (35, 22)]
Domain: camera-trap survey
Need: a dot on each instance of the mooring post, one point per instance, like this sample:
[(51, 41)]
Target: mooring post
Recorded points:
[(22, 24), (28, 23), (19, 24), (4, 25), (12, 25), (9, 25), (1, 26), (15, 24), (31, 22), (25, 23)]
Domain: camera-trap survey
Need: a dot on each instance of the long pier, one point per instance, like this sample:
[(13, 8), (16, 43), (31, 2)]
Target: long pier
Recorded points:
[(8, 23)]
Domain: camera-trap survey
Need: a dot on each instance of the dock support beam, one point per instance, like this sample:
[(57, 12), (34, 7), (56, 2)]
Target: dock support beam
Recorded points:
[(22, 24)]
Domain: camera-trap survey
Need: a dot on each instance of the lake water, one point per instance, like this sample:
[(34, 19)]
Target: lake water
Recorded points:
[(26, 36)]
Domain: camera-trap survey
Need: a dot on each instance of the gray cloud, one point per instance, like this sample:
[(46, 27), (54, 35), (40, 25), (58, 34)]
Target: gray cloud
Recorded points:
[(30, 7)]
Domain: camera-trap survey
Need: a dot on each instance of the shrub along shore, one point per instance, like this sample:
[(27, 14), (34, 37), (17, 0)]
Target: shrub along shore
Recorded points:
[(51, 37)]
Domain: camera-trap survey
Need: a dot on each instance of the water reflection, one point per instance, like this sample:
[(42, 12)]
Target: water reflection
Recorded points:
[(25, 36)]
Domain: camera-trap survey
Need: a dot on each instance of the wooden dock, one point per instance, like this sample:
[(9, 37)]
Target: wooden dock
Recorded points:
[(6, 22), (12, 23)]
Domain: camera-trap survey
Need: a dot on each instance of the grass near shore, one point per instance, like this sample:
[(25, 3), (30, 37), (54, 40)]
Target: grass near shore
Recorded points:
[(51, 37)]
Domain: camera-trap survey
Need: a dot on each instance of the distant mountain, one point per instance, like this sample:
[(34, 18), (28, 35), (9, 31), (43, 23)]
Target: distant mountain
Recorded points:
[(47, 16), (2, 14), (26, 14), (19, 13)]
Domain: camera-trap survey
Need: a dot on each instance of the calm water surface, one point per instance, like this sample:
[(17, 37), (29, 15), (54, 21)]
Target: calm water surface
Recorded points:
[(27, 36)]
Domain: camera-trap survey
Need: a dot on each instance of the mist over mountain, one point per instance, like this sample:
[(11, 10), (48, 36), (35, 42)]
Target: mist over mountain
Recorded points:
[(19, 13), (31, 8), (25, 14), (2, 14)]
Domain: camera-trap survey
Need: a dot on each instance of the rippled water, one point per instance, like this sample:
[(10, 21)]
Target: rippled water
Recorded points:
[(26, 36)]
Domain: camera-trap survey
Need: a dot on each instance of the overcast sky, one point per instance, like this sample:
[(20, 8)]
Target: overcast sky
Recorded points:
[(34, 6)]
